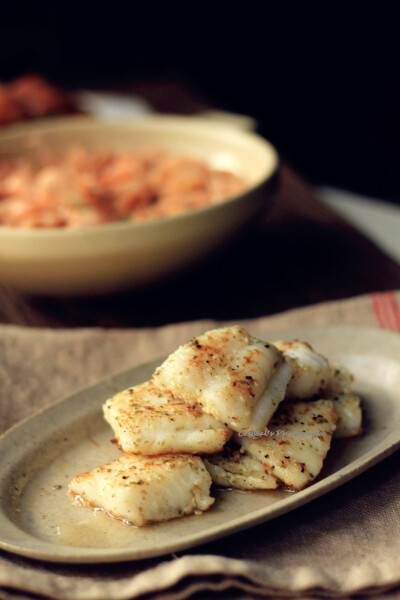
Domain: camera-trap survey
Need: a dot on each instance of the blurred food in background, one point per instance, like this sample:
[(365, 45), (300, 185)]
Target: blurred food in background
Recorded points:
[(32, 97), (114, 175), (82, 188)]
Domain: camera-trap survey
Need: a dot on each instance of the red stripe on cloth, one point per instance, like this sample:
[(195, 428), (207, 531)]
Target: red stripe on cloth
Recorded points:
[(379, 310), (395, 310), (386, 310)]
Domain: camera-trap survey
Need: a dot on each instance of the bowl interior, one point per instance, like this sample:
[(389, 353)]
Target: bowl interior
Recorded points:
[(220, 146)]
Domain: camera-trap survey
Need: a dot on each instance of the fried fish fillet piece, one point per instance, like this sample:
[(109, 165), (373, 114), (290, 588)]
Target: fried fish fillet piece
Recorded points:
[(142, 489), (148, 420), (349, 415), (311, 371), (235, 377), (339, 382), (233, 468), (294, 446)]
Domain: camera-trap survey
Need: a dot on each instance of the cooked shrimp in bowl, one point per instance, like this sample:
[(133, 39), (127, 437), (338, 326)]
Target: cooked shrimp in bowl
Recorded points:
[(84, 188)]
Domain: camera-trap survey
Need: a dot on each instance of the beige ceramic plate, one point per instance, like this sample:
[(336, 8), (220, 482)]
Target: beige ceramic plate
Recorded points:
[(118, 256), (41, 455)]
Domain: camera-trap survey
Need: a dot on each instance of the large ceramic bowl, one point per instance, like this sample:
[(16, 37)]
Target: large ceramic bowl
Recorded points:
[(122, 255)]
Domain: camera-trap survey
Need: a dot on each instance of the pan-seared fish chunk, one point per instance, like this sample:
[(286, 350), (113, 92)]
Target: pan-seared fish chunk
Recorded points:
[(311, 370), (349, 415), (339, 382), (233, 468), (148, 420), (238, 379), (143, 489), (312, 374), (294, 446)]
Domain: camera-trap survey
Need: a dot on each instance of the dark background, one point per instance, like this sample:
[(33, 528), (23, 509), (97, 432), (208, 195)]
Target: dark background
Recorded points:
[(323, 85)]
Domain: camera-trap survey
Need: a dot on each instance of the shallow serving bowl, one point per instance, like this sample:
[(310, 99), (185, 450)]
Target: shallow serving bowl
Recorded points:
[(121, 255)]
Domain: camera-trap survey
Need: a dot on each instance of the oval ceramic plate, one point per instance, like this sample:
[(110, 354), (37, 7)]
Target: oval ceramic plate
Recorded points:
[(41, 455)]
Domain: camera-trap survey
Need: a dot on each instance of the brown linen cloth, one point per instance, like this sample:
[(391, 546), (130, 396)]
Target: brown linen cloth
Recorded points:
[(345, 542)]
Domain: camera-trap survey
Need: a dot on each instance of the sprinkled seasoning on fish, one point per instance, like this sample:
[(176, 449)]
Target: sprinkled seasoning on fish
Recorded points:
[(349, 415), (141, 489), (278, 405), (233, 468), (148, 420), (299, 438), (235, 377)]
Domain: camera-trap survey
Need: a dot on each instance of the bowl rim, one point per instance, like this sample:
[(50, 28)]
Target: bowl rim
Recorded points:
[(54, 124)]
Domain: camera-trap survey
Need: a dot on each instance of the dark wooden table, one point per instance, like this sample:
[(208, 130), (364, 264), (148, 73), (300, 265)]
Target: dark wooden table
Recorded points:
[(297, 252)]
